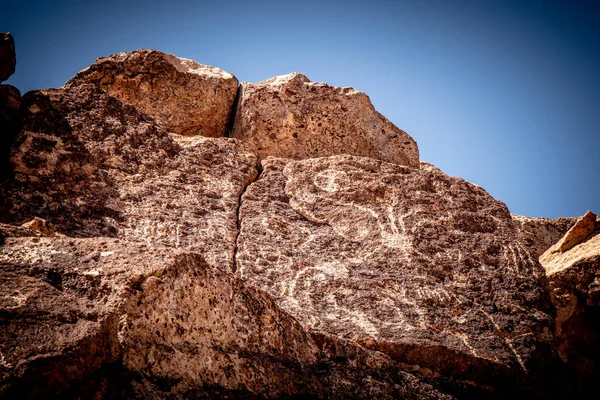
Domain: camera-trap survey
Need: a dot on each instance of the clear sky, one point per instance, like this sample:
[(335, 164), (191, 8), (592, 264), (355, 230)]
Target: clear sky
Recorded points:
[(503, 93)]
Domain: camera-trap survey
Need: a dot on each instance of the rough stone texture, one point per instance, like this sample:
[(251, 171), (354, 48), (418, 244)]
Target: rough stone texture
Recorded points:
[(8, 57), (539, 234), (289, 116), (185, 97), (423, 267), (92, 166), (573, 269), (73, 310), (10, 122)]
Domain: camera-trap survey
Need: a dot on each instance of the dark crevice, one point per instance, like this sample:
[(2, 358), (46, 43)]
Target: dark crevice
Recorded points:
[(233, 111), (237, 219)]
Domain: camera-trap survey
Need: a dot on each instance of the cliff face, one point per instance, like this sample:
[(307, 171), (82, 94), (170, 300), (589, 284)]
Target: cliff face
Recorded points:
[(147, 255)]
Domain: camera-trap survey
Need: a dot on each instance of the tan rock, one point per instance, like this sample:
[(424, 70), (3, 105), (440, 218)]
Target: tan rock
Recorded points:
[(184, 96), (40, 225), (539, 234), (8, 58), (423, 267), (574, 279), (103, 318), (91, 165), (289, 116)]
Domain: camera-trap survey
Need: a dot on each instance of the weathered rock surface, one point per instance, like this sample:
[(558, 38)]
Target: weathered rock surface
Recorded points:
[(92, 166), (539, 234), (573, 269), (71, 309), (289, 116), (8, 58), (10, 123), (184, 96), (423, 267)]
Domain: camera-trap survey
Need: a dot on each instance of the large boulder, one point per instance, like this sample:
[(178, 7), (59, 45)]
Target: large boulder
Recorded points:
[(423, 267), (291, 117), (184, 96), (573, 269), (539, 234), (8, 58), (91, 165), (10, 123)]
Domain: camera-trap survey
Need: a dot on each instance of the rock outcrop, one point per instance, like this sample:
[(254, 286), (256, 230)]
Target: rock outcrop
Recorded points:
[(573, 269), (94, 166), (8, 59), (539, 234), (291, 117), (10, 123), (412, 263), (141, 259), (185, 97)]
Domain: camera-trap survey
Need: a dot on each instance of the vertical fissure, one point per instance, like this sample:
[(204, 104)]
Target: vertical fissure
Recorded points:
[(233, 112)]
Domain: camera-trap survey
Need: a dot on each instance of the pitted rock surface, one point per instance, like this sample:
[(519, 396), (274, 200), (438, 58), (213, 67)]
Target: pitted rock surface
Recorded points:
[(184, 96), (539, 234), (291, 117), (8, 57), (91, 165), (420, 266), (170, 324), (573, 269)]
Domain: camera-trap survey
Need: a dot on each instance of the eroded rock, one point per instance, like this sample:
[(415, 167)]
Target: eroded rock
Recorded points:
[(184, 96), (91, 165), (539, 234), (289, 116), (423, 267), (574, 277), (8, 58), (175, 327)]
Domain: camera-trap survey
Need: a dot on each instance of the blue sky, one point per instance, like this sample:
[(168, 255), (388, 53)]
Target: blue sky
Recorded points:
[(505, 94)]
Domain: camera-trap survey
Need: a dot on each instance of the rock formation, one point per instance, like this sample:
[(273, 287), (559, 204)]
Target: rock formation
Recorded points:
[(141, 259), (289, 116), (8, 59), (573, 269), (539, 234), (185, 97), (10, 123)]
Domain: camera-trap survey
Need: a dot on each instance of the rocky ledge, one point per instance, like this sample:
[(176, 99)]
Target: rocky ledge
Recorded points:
[(167, 234)]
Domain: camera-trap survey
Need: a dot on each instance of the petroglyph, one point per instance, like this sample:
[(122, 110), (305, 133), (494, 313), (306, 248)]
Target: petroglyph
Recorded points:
[(381, 253)]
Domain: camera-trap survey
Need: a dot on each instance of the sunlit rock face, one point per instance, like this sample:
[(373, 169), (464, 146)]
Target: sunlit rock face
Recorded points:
[(573, 269), (413, 263), (141, 259), (183, 96), (291, 117)]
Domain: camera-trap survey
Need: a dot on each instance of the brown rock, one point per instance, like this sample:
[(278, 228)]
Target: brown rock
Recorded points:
[(185, 97), (10, 123), (171, 326), (289, 116), (93, 166), (415, 264), (8, 58), (574, 277), (539, 234)]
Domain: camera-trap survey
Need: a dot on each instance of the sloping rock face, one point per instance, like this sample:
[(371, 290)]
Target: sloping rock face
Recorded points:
[(185, 97), (539, 234), (10, 123), (291, 117), (573, 269), (74, 311), (93, 166), (420, 266), (8, 59)]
